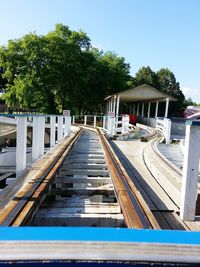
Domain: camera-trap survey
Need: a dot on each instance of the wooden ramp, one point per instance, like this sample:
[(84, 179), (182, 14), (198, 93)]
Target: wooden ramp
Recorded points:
[(161, 190)]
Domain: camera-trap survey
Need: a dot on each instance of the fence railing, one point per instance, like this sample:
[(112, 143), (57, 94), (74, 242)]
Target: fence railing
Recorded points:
[(58, 125), (164, 125), (112, 125), (92, 120)]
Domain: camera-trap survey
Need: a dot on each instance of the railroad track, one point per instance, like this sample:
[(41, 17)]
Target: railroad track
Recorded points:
[(79, 183)]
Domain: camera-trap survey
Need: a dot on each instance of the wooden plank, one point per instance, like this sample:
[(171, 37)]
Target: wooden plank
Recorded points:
[(142, 178), (161, 220), (168, 179), (85, 151), (103, 173), (84, 167), (174, 222), (193, 226), (100, 220), (89, 191), (84, 160), (83, 209), (137, 179), (88, 156), (83, 179), (77, 202)]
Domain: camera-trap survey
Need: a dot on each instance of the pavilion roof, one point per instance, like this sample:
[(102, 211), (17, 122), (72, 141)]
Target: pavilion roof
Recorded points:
[(142, 93)]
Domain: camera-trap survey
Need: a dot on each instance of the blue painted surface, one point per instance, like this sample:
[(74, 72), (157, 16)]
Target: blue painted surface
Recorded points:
[(98, 234), (193, 122), (95, 264)]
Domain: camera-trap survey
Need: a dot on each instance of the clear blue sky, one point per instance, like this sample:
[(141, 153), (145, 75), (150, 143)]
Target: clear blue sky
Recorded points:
[(158, 33)]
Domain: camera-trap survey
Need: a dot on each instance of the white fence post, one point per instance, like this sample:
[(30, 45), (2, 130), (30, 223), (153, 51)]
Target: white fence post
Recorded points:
[(73, 119), (104, 122), (95, 121), (52, 130), (164, 125), (167, 123), (190, 171), (85, 120), (60, 127), (67, 125), (123, 125), (127, 123), (21, 144), (35, 139), (41, 135), (110, 125)]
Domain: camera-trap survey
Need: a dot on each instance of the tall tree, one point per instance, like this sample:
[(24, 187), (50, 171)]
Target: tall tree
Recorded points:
[(60, 70), (145, 75), (168, 84)]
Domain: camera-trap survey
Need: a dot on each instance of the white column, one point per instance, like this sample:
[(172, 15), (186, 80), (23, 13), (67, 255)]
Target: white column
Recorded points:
[(21, 144), (149, 110), (95, 121), (142, 109), (190, 172), (85, 120), (35, 139), (41, 135), (60, 127), (167, 126), (156, 111), (114, 105), (138, 108), (73, 119), (52, 130), (110, 125), (166, 107), (67, 125), (104, 122), (111, 104), (117, 108)]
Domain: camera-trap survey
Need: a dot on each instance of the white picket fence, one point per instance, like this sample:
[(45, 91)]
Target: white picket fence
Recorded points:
[(164, 125), (112, 125), (59, 123), (56, 123)]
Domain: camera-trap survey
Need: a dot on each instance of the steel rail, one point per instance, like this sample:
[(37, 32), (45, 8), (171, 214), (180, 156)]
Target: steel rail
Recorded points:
[(24, 205), (135, 210)]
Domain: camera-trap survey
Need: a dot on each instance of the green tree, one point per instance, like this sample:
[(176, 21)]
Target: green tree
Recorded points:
[(3, 81), (167, 83), (60, 70), (145, 75)]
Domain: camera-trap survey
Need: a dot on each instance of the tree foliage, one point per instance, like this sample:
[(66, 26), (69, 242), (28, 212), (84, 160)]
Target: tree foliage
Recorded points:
[(60, 70), (164, 80), (145, 75)]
